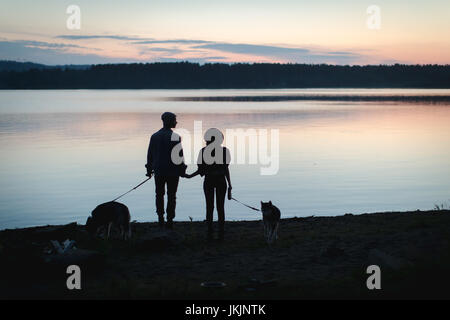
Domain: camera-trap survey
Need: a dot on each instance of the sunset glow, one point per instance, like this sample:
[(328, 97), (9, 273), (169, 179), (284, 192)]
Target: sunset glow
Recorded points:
[(415, 32)]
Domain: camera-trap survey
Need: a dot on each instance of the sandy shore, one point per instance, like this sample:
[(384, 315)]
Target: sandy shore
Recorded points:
[(316, 257)]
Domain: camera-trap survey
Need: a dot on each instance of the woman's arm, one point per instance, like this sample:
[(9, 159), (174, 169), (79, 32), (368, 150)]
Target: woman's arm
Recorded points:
[(227, 160), (192, 174), (227, 176)]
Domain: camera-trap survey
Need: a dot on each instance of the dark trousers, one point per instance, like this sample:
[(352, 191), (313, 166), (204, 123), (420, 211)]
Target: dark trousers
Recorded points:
[(160, 188), (218, 186)]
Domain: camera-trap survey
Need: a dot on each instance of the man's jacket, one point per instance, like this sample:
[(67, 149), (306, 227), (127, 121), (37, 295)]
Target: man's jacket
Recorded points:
[(160, 160)]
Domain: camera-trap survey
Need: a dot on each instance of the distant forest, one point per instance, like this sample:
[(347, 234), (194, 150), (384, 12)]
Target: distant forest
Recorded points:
[(186, 75)]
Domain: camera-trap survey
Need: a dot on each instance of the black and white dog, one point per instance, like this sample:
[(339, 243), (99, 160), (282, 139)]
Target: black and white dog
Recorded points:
[(271, 219), (107, 215)]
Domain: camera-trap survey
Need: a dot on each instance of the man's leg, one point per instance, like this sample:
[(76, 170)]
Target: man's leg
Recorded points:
[(172, 186), (160, 190)]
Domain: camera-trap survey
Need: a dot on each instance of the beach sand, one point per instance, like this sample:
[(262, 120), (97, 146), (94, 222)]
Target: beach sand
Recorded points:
[(315, 257)]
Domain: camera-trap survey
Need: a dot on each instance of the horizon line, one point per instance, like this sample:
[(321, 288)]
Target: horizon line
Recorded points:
[(231, 63)]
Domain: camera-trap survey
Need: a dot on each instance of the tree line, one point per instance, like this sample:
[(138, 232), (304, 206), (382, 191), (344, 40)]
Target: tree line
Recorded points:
[(187, 75)]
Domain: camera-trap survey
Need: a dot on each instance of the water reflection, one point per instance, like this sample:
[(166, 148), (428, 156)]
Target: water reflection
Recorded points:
[(55, 167)]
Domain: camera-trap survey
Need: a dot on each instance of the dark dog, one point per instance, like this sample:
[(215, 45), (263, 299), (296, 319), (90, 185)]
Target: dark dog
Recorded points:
[(271, 220), (108, 214)]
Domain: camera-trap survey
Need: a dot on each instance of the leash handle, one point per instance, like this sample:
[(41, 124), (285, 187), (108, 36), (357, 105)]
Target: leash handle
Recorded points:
[(253, 208), (140, 184)]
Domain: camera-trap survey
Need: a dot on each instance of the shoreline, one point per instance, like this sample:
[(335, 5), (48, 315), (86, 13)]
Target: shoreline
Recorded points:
[(314, 257), (226, 220)]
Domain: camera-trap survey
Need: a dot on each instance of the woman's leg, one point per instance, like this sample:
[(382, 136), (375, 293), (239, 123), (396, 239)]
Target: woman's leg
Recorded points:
[(221, 190), (208, 189)]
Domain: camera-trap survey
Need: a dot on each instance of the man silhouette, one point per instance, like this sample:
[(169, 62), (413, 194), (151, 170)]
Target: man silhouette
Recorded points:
[(165, 166)]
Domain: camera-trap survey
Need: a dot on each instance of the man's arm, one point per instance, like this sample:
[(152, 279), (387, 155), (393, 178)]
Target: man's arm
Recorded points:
[(176, 144), (149, 164), (182, 166)]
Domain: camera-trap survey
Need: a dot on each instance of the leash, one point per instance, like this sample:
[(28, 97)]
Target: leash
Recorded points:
[(140, 184), (253, 208)]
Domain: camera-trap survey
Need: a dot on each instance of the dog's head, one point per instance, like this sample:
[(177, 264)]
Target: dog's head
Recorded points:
[(266, 205), (91, 226)]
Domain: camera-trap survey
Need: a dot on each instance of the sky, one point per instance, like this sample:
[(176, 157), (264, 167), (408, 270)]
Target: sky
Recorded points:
[(285, 31)]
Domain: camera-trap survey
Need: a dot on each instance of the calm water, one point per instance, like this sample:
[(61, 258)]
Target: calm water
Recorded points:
[(64, 152)]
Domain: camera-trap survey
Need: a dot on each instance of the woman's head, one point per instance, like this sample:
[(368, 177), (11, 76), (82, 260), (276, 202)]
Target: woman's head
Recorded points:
[(213, 135)]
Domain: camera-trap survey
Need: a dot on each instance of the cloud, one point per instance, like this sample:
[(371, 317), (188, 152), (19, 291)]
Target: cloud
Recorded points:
[(252, 49), (88, 37), (161, 49), (136, 40), (47, 53), (296, 55), (149, 49), (175, 41), (41, 44)]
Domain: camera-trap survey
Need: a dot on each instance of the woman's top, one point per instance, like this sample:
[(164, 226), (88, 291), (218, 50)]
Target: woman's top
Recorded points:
[(208, 164)]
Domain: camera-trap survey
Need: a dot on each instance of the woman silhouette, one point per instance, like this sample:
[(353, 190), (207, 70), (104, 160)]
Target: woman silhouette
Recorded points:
[(213, 161)]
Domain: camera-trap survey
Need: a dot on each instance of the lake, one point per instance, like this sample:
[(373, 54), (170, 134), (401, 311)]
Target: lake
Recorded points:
[(65, 151)]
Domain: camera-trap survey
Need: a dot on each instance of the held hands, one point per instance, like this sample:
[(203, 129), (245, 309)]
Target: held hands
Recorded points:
[(188, 176), (150, 174)]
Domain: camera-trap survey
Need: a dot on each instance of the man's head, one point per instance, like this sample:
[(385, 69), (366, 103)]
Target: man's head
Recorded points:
[(169, 120)]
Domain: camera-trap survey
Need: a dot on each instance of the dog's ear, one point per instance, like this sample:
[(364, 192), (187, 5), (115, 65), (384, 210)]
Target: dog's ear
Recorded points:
[(270, 202), (262, 203), (88, 221)]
